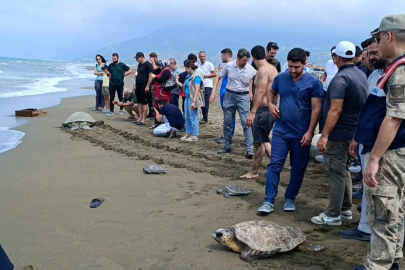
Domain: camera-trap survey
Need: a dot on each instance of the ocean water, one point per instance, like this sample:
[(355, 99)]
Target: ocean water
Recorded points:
[(26, 83)]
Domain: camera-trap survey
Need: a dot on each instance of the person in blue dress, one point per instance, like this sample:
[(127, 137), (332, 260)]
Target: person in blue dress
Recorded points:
[(296, 118)]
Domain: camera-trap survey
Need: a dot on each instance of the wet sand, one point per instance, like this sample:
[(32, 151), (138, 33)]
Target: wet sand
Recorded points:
[(147, 221)]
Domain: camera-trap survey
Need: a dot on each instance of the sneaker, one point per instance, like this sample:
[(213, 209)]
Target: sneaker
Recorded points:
[(289, 206), (249, 155), (355, 166), (203, 122), (170, 134), (266, 208), (218, 138), (346, 214), (100, 109), (94, 109), (192, 139), (105, 111), (224, 151), (110, 114), (319, 159), (323, 219), (221, 141), (356, 234), (185, 137), (121, 113)]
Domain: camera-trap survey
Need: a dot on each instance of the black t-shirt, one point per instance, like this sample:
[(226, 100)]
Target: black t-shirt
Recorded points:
[(349, 84), (143, 73), (274, 62), (174, 115), (117, 73)]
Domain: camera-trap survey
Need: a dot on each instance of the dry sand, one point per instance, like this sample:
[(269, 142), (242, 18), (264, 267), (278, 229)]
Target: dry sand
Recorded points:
[(146, 221)]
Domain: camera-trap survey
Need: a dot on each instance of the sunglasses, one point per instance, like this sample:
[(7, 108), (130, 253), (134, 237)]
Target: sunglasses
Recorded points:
[(378, 39)]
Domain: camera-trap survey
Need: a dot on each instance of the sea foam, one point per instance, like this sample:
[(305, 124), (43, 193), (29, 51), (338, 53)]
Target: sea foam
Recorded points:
[(9, 139)]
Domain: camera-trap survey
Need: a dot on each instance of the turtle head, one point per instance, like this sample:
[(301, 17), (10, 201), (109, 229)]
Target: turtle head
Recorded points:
[(227, 238)]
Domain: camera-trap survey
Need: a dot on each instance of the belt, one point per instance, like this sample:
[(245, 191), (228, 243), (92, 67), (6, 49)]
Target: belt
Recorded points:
[(237, 93)]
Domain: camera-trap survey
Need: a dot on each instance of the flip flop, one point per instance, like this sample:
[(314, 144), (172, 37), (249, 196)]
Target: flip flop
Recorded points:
[(96, 202), (140, 124)]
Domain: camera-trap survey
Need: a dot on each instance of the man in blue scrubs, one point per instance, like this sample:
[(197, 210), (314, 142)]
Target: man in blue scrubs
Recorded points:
[(296, 118)]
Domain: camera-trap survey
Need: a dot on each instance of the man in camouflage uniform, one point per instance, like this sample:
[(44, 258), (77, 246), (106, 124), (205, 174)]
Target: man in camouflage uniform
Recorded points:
[(384, 176)]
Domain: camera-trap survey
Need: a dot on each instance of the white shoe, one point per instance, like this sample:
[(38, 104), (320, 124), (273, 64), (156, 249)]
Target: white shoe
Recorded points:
[(192, 139), (346, 214), (185, 137), (323, 219), (121, 112)]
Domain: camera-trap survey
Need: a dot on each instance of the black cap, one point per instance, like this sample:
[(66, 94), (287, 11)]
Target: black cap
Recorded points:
[(139, 54), (358, 51)]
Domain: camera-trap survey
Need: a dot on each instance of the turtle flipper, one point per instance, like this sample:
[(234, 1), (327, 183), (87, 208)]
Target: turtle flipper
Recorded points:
[(227, 195), (309, 248), (86, 127), (250, 255), (74, 127)]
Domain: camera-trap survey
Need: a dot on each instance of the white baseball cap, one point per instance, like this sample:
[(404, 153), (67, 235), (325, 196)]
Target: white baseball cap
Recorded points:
[(345, 49)]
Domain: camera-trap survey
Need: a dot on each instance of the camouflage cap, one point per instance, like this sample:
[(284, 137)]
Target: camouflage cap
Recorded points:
[(391, 23)]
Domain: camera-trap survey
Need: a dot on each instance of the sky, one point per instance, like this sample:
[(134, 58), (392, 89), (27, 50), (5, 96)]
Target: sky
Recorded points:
[(56, 29)]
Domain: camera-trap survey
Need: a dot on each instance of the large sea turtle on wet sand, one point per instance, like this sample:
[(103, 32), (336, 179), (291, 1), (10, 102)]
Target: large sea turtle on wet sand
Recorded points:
[(261, 239), (79, 120)]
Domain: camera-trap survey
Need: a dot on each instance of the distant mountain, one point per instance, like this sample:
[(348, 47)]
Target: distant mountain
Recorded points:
[(179, 41)]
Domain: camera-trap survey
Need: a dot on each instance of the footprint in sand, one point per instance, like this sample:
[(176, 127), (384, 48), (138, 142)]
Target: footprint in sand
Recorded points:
[(186, 196)]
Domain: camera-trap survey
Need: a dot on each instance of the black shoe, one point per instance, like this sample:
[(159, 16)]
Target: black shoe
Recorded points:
[(360, 267), (359, 208), (395, 266), (249, 156), (218, 138), (224, 151), (355, 234), (170, 134)]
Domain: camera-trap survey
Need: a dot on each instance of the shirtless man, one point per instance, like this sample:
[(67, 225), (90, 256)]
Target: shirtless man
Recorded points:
[(260, 117)]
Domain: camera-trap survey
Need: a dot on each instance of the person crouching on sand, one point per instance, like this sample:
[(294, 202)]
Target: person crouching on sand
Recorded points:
[(106, 91), (129, 103), (194, 100)]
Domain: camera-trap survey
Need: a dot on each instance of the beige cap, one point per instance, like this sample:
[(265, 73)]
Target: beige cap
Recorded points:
[(391, 23)]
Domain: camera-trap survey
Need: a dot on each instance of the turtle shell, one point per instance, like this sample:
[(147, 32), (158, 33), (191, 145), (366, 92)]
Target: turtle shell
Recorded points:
[(265, 236), (80, 117), (237, 190)]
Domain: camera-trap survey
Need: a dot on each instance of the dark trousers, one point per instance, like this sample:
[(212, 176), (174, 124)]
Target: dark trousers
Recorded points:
[(5, 263), (120, 90), (299, 158), (98, 85), (322, 118), (175, 99), (205, 109), (338, 161)]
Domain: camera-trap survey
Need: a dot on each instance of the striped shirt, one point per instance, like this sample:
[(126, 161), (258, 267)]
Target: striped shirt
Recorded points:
[(238, 79)]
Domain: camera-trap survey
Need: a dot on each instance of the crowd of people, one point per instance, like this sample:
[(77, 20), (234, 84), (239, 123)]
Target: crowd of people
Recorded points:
[(358, 104)]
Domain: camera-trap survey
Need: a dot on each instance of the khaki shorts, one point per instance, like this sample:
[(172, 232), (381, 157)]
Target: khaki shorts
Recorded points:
[(106, 91)]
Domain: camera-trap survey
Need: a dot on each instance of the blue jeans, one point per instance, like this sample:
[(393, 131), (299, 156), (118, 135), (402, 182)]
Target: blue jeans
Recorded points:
[(175, 99), (207, 94), (299, 158), (191, 117), (221, 99), (240, 103), (98, 85), (5, 263)]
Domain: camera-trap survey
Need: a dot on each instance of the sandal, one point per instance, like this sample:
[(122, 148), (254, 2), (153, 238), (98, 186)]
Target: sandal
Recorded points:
[(153, 126)]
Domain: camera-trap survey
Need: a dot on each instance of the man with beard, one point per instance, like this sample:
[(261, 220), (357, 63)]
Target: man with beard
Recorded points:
[(271, 52), (118, 71), (365, 136), (300, 106), (344, 100), (226, 55), (260, 117), (384, 176)]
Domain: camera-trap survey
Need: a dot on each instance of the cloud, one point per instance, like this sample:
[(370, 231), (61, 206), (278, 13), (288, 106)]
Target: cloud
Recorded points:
[(56, 27)]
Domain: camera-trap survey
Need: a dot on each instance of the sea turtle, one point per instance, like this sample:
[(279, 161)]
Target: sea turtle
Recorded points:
[(79, 120), (233, 190), (261, 239)]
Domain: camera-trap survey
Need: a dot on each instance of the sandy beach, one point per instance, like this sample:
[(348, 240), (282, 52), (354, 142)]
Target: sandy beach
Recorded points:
[(147, 221)]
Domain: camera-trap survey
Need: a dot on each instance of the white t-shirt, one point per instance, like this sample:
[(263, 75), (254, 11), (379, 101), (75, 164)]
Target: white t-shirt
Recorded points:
[(331, 70), (207, 69)]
